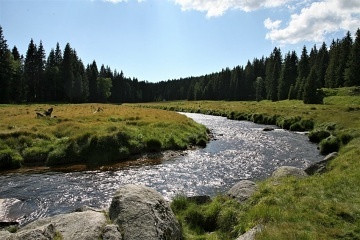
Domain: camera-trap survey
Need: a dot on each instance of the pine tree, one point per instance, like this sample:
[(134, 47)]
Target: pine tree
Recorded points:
[(40, 73), (311, 94), (330, 75), (303, 72), (30, 68), (273, 70), (322, 63), (67, 73), (5, 69), (344, 53), (16, 86), (249, 79), (92, 75), (259, 89), (288, 75), (352, 72)]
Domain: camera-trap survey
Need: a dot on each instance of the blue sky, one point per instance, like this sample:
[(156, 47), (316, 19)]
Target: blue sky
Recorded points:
[(157, 40)]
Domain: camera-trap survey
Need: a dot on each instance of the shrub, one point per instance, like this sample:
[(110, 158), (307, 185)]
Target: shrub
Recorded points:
[(153, 145), (286, 123), (302, 125), (9, 159), (194, 218), (227, 219), (179, 203), (329, 145), (345, 138), (201, 142), (35, 155), (257, 118), (317, 135)]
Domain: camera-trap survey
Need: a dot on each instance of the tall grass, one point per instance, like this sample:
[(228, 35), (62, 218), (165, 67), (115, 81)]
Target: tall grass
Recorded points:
[(79, 133)]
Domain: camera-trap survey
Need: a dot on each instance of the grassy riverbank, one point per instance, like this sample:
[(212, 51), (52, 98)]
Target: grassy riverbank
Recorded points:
[(323, 206), (94, 134)]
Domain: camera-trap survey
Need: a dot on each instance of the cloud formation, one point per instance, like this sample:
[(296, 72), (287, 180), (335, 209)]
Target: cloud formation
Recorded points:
[(214, 8), (315, 21)]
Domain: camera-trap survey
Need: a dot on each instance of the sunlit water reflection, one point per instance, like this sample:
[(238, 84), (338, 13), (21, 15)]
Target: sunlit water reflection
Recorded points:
[(242, 150)]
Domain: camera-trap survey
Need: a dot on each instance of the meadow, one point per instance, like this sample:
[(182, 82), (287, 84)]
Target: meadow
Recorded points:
[(94, 134), (321, 206)]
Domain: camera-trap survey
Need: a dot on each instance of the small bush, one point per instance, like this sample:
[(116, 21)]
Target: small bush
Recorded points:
[(286, 123), (329, 145), (227, 219), (35, 155), (179, 203), (201, 142), (345, 138), (9, 159), (153, 145), (195, 219), (57, 157), (317, 135), (302, 125), (257, 118)]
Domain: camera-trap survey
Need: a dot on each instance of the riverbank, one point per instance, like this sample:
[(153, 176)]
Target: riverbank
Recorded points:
[(92, 134), (325, 206)]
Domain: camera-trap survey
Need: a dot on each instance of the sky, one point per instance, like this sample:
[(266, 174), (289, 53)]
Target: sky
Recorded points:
[(157, 40)]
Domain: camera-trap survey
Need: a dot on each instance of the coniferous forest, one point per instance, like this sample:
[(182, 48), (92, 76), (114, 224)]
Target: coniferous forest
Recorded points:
[(61, 76)]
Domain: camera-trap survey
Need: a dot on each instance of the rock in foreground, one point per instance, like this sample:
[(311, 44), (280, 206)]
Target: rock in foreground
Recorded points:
[(142, 214), (78, 225), (286, 171), (242, 190)]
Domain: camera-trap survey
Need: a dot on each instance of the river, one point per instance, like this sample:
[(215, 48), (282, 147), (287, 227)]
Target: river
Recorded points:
[(239, 150)]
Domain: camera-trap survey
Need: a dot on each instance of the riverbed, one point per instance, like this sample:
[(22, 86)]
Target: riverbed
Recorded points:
[(238, 150)]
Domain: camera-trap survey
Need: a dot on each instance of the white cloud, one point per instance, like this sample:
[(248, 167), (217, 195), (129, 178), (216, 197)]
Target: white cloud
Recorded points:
[(215, 8), (316, 20), (269, 24)]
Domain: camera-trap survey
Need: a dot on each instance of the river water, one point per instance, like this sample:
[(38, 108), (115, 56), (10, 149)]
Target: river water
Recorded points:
[(239, 150)]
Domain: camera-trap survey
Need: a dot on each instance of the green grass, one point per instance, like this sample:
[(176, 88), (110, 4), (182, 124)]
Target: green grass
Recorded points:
[(79, 134), (323, 206)]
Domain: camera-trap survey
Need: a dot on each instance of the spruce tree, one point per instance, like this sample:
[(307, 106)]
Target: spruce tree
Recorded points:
[(303, 72), (352, 72), (16, 86), (92, 75), (322, 63), (67, 73), (40, 73), (30, 74), (330, 75), (288, 75), (344, 53), (5, 69), (273, 71), (311, 94)]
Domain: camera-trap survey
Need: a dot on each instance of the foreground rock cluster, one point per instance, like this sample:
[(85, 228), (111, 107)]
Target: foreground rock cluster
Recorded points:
[(139, 213), (136, 212)]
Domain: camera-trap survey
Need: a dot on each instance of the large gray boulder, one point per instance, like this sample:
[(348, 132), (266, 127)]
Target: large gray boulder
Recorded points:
[(286, 171), (143, 214), (242, 190), (320, 167), (72, 226)]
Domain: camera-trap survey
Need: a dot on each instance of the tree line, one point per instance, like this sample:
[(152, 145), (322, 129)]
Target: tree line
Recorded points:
[(61, 76)]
